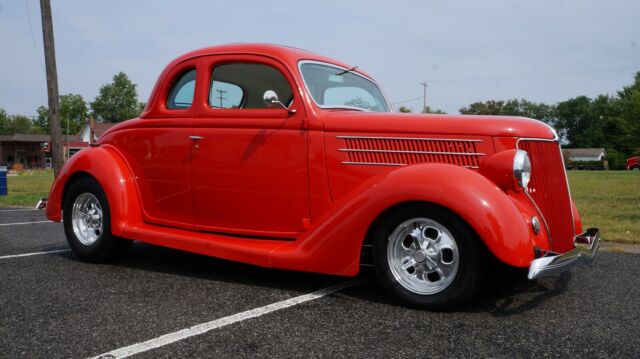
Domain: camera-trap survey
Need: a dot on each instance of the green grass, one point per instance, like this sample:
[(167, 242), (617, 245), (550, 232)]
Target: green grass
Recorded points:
[(27, 188), (609, 200)]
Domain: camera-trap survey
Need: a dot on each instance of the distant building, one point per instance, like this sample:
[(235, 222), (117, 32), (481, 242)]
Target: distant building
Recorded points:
[(584, 154), (21, 151), (98, 129), (25, 151)]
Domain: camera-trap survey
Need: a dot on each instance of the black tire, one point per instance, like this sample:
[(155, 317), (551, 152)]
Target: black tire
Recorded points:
[(106, 247), (471, 253)]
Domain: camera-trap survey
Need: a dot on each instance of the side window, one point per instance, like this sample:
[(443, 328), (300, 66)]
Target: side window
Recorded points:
[(242, 85), (181, 94)]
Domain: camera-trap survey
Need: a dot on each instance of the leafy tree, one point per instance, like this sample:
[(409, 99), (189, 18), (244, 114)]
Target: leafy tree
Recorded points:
[(117, 101), (428, 109), (42, 121), (629, 107), (21, 124), (404, 109), (12, 124), (514, 107), (490, 107), (73, 115), (5, 122)]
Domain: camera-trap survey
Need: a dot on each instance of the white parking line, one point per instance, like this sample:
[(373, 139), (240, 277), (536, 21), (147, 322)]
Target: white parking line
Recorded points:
[(34, 254), (222, 322), (20, 223)]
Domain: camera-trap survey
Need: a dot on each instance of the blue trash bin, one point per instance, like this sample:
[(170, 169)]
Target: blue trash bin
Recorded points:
[(3, 181)]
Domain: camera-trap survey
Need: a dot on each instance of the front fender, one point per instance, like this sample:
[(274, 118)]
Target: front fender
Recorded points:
[(108, 168), (333, 243)]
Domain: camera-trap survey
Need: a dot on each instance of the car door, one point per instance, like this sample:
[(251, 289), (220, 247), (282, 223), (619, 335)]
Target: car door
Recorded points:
[(158, 150), (249, 167)]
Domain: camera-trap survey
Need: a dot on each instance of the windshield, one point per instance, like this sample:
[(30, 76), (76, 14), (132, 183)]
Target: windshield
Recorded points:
[(335, 87)]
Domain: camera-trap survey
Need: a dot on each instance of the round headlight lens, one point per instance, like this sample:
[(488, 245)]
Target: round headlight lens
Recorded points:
[(522, 168)]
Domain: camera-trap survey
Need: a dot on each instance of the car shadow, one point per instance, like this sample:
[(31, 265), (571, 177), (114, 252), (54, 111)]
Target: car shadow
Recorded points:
[(506, 292)]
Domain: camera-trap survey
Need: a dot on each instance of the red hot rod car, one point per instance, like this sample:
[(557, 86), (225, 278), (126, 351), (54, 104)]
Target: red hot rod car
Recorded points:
[(282, 158)]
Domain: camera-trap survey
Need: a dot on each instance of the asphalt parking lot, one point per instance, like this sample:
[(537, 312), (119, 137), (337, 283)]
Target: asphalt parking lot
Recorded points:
[(53, 306)]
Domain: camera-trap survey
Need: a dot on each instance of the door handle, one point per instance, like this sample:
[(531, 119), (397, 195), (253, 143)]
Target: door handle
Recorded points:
[(196, 138)]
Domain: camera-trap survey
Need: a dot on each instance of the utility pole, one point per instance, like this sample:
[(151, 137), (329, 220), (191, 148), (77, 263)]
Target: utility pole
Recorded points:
[(424, 96), (220, 96), (52, 85)]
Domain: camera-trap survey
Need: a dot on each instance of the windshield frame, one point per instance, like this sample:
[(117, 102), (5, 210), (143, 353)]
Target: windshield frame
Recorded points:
[(341, 68)]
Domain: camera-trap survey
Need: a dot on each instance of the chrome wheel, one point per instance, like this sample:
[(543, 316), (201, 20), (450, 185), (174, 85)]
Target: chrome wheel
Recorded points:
[(422, 256), (87, 218)]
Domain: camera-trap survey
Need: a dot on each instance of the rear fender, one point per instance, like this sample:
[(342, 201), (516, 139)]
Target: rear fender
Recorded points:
[(332, 244), (109, 169)]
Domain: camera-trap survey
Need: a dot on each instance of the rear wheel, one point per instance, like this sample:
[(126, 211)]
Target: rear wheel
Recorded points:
[(427, 257), (87, 223)]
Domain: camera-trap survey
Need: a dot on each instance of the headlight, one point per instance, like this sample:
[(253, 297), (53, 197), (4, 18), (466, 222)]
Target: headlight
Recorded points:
[(522, 168)]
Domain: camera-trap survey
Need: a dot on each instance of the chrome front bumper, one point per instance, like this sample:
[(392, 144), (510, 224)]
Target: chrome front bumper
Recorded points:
[(586, 247)]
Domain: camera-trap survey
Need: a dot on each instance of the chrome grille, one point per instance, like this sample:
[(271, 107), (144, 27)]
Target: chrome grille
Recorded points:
[(549, 190), (400, 151)]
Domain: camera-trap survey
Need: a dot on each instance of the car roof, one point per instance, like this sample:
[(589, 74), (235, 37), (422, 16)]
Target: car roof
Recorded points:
[(290, 55)]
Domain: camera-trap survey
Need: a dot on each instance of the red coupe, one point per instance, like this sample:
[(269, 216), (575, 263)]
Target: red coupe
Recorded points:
[(282, 158)]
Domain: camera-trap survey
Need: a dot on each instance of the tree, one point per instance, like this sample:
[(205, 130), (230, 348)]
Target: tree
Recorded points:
[(21, 124), (73, 114), (514, 107), (404, 109), (12, 124), (629, 107), (490, 107), (117, 101), (428, 109), (5, 122)]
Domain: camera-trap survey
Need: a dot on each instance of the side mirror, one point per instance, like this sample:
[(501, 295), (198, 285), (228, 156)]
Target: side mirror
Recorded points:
[(270, 97)]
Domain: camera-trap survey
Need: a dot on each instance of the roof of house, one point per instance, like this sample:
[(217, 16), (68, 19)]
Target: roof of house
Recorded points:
[(25, 138), (583, 152), (99, 128)]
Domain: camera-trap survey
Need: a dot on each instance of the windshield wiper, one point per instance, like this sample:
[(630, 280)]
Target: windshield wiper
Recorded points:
[(346, 71)]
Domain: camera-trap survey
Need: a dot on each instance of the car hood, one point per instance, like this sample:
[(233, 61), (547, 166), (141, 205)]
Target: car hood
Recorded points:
[(500, 126)]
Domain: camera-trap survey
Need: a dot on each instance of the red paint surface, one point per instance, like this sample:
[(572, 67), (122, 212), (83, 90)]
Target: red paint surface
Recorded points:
[(270, 188)]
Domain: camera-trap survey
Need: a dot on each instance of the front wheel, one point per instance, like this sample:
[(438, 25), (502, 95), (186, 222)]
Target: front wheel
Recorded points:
[(87, 223), (427, 257)]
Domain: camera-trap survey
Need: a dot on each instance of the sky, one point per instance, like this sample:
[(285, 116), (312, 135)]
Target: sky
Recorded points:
[(474, 50)]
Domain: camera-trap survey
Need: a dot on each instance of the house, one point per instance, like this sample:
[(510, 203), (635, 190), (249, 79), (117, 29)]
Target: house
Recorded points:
[(584, 154), (23, 150), (98, 129)]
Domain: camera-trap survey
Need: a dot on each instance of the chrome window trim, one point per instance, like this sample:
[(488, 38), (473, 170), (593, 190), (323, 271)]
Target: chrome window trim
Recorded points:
[(302, 62), (566, 178)]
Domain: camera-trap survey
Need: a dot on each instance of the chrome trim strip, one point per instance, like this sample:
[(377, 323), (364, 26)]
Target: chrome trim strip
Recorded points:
[(412, 152), (406, 138), (373, 163), (399, 164), (587, 245), (566, 177)]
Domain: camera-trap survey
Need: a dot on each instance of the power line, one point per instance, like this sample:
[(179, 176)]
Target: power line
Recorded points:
[(408, 100), (513, 77), (33, 39)]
